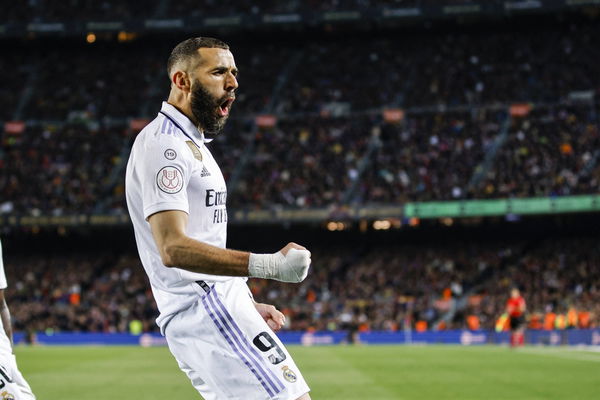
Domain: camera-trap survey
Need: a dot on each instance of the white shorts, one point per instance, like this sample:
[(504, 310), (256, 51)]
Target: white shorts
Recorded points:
[(228, 351), (12, 384)]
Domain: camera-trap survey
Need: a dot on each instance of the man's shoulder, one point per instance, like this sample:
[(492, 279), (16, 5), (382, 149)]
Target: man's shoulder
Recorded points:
[(160, 132), (157, 128)]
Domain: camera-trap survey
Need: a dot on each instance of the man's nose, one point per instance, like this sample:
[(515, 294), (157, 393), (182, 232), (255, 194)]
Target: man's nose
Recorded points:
[(231, 82)]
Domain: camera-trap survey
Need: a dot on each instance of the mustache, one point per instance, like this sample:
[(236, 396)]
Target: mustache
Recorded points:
[(227, 97)]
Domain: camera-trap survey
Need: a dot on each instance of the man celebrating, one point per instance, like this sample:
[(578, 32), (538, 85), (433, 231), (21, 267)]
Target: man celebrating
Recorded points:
[(176, 196)]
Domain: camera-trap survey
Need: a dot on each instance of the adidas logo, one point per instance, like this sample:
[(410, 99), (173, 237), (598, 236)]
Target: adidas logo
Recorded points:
[(204, 172)]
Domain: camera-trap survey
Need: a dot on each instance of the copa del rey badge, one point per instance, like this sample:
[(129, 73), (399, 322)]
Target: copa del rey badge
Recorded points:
[(288, 374), (170, 179)]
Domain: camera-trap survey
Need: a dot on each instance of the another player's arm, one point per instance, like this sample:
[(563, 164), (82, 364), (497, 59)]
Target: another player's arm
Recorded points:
[(5, 315), (177, 249)]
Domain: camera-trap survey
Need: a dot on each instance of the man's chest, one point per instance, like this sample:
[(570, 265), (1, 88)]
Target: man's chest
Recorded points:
[(206, 187)]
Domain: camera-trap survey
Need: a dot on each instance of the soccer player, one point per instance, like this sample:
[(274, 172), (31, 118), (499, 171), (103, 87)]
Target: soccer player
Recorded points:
[(515, 307), (176, 195), (12, 383)]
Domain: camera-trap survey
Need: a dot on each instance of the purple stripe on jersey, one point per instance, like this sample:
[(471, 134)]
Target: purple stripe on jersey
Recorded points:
[(174, 122), (163, 127), (167, 127), (223, 331), (276, 383)]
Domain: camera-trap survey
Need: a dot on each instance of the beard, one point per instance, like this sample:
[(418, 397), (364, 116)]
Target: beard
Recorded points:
[(204, 106)]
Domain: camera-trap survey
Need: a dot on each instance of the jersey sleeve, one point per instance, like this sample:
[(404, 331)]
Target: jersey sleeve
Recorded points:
[(3, 283), (164, 173)]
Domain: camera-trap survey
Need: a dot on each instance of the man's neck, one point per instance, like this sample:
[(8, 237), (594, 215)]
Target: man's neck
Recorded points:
[(177, 100), (188, 114)]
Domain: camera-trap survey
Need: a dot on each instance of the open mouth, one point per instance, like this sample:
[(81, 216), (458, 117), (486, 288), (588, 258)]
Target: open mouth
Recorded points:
[(225, 106)]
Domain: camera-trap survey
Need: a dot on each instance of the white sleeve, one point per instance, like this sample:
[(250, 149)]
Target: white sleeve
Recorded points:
[(164, 172), (3, 283)]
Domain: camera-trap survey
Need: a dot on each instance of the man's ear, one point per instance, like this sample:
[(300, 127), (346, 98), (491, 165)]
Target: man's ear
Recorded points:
[(182, 81)]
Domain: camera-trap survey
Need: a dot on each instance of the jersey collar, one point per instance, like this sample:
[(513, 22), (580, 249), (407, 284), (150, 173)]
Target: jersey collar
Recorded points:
[(183, 123)]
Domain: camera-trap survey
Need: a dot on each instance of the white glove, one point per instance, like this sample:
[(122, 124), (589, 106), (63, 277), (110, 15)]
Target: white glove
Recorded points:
[(293, 267)]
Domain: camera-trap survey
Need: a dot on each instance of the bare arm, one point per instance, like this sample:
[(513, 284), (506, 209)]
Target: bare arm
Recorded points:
[(5, 315), (178, 250)]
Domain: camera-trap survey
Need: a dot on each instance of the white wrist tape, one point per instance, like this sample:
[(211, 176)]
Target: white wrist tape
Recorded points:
[(292, 267)]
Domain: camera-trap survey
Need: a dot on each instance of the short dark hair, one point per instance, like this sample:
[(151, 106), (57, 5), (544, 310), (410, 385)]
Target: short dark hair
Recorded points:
[(189, 49)]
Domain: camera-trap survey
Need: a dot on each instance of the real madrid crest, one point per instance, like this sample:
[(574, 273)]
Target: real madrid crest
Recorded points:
[(195, 150), (288, 374), (7, 396)]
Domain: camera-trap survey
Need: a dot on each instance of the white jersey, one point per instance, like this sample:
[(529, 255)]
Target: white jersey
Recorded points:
[(5, 346), (170, 168), (12, 382)]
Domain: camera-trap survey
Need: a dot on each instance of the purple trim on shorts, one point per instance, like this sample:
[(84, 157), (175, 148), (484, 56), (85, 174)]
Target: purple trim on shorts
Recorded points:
[(278, 385), (222, 329), (244, 345)]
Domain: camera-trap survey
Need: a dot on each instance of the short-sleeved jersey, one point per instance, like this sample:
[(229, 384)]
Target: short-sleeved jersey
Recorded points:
[(170, 168), (5, 346), (514, 306), (3, 283)]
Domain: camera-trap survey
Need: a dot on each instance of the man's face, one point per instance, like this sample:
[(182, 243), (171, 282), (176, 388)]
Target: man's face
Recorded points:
[(213, 89)]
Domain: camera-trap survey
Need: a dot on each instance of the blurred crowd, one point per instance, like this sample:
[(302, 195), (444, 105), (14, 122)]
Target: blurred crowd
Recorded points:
[(308, 162), (65, 10), (551, 152), (318, 122), (60, 169), (328, 75), (329, 141), (430, 156), (78, 293), (384, 287), (456, 68), (98, 81), (247, 7), (557, 278), (321, 161)]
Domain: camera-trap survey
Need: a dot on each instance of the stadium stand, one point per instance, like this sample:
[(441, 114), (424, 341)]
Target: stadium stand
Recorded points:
[(58, 170), (411, 115), (308, 162), (12, 89), (56, 10), (340, 109), (557, 276), (376, 287), (430, 156), (551, 152)]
